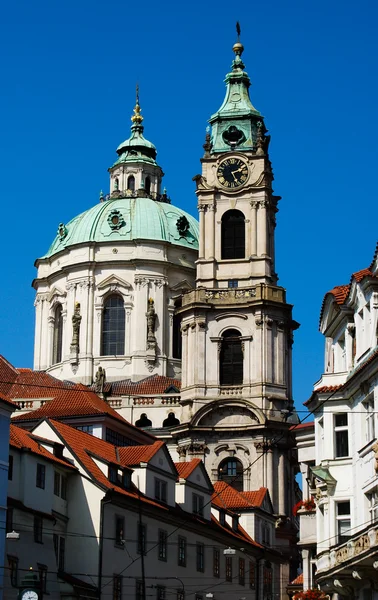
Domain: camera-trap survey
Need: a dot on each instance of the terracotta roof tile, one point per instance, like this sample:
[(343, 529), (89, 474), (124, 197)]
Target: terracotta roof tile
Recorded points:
[(307, 425), (226, 496), (8, 401), (240, 534), (156, 384), (76, 401), (8, 375), (185, 469), (20, 438), (134, 455), (298, 580)]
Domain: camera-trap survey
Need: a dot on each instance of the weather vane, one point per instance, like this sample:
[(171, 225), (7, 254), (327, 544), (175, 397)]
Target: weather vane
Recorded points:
[(137, 93), (238, 30)]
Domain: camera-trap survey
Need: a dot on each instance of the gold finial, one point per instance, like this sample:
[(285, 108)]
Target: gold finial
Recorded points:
[(137, 117), (238, 47)]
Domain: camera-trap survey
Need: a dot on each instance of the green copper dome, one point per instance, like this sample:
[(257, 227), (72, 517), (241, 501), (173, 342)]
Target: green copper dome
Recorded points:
[(127, 219)]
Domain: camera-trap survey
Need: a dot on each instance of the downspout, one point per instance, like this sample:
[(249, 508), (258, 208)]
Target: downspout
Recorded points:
[(101, 542)]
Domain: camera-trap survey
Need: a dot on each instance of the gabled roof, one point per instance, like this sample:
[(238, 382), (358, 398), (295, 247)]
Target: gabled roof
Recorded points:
[(8, 375), (185, 469), (134, 455), (22, 439), (156, 384), (227, 497), (298, 580), (75, 402), (8, 401)]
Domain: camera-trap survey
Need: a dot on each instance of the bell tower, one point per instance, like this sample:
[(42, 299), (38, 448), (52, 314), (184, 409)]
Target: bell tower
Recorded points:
[(237, 328)]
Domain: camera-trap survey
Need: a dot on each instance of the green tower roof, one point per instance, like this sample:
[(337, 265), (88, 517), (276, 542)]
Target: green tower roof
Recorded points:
[(235, 125)]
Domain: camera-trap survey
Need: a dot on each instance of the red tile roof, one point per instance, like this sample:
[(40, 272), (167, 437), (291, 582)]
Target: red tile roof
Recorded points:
[(20, 438), (239, 534), (340, 292), (154, 385), (185, 469), (76, 401), (298, 580), (8, 401), (8, 375), (226, 496), (134, 455), (307, 425)]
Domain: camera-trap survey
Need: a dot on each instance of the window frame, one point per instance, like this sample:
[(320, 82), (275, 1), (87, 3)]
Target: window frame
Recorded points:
[(200, 557), (231, 358), (370, 429), (117, 586), (113, 326), (57, 347), (228, 563), (40, 476), (13, 562), (233, 238), (241, 571), (161, 490), (142, 538), (341, 432), (372, 498), (162, 545), (38, 529), (216, 562), (119, 530), (181, 547), (252, 575), (343, 517), (198, 503)]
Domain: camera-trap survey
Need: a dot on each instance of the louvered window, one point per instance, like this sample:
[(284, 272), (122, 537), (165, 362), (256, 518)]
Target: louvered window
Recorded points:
[(231, 359), (233, 234)]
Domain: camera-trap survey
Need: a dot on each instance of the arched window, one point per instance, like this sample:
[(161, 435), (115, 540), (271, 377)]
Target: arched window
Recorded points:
[(116, 184), (231, 358), (171, 420), (113, 327), (233, 234), (144, 421), (230, 470), (147, 185), (58, 335), (176, 333), (131, 183)]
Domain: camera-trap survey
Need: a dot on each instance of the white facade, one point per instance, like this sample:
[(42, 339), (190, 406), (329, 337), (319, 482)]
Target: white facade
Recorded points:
[(344, 478)]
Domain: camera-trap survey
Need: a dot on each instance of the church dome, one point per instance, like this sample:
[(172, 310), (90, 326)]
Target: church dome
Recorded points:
[(128, 219)]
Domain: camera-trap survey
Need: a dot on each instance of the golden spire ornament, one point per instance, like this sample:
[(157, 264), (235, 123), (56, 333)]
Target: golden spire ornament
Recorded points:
[(137, 117)]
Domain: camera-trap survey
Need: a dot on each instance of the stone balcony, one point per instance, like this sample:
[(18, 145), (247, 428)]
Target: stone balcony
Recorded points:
[(225, 296), (356, 558)]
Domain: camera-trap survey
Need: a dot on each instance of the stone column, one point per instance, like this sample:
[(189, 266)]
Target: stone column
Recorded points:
[(201, 250), (262, 249), (211, 221), (38, 303), (281, 485), (254, 205), (270, 473), (184, 359), (201, 350)]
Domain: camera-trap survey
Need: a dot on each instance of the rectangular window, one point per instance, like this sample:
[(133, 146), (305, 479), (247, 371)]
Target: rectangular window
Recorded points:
[(40, 476), (162, 545), (126, 479), (267, 580), (343, 521), (85, 428), (13, 570), (62, 553), (119, 528), (10, 468), (232, 283), (252, 575), (9, 521), (139, 590), (341, 435), (63, 487), (42, 570), (160, 490), (181, 551), (117, 587), (369, 419), (228, 568), (142, 538), (56, 483), (216, 562), (373, 505), (38, 527), (241, 571), (200, 553), (198, 505), (160, 592)]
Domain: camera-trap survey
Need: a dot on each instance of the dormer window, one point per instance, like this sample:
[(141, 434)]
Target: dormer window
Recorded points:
[(198, 504), (113, 474), (235, 522), (161, 490), (222, 518), (126, 480)]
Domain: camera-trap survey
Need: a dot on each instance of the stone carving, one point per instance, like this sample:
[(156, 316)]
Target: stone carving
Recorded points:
[(151, 320), (76, 320), (99, 381), (229, 294), (375, 450), (115, 220), (182, 225), (62, 231), (260, 139)]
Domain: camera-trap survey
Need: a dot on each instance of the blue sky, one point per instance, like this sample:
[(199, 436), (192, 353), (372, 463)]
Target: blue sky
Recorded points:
[(68, 79)]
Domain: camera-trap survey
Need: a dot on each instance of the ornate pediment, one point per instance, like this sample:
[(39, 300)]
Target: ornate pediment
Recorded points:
[(113, 283), (181, 286), (56, 294)]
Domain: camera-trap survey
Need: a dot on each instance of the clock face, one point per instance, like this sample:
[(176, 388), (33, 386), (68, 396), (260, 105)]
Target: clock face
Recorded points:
[(232, 173), (29, 595)]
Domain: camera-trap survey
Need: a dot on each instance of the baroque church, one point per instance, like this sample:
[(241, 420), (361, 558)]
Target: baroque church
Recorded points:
[(179, 324)]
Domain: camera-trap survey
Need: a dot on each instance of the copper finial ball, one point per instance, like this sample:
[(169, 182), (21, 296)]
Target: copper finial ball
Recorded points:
[(238, 48)]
